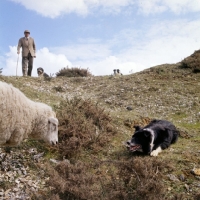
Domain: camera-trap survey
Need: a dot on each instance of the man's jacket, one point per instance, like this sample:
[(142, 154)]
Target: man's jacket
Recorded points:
[(28, 45)]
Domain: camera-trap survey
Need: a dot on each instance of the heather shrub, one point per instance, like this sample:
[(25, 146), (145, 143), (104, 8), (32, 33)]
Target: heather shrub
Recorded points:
[(82, 125), (73, 72), (142, 178), (73, 181), (192, 62), (136, 178)]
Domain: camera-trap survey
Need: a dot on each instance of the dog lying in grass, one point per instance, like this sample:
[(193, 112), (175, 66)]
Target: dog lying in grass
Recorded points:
[(41, 73), (153, 138)]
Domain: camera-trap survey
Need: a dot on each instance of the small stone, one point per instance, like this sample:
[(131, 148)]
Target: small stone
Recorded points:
[(21, 185), (173, 177), (33, 189), (15, 189), (169, 189), (24, 171), (54, 161), (182, 177), (36, 157), (23, 180), (187, 187), (7, 196), (129, 108), (7, 191), (196, 171), (43, 183), (34, 185), (17, 181), (19, 172), (9, 174), (30, 183), (32, 151)]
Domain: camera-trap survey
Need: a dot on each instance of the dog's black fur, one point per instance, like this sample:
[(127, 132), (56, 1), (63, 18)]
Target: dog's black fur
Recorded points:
[(40, 72), (153, 138)]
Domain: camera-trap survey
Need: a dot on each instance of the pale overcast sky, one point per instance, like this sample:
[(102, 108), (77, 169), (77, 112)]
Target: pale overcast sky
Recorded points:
[(99, 35)]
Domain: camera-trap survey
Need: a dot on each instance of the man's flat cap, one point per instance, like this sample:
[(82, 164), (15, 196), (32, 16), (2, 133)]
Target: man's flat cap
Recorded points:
[(26, 31)]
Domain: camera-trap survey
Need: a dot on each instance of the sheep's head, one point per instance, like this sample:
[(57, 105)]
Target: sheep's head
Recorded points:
[(52, 135)]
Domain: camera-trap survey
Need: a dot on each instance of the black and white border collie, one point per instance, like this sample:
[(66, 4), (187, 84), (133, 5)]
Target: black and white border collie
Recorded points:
[(153, 138)]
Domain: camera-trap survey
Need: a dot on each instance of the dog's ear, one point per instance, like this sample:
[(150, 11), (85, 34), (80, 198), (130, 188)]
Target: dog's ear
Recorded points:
[(137, 128), (147, 133)]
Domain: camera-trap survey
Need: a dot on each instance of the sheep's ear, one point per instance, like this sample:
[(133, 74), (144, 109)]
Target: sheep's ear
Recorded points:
[(54, 114), (137, 128), (53, 120)]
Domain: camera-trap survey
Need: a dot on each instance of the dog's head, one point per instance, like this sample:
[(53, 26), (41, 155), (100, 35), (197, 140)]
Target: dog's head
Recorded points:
[(142, 140), (40, 71)]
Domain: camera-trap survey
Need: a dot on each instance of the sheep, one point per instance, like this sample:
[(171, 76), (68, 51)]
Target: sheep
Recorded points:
[(22, 118)]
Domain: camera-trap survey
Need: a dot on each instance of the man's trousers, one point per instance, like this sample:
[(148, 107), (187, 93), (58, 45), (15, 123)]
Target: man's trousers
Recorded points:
[(27, 65)]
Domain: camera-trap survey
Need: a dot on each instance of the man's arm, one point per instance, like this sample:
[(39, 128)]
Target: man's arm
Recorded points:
[(34, 48)]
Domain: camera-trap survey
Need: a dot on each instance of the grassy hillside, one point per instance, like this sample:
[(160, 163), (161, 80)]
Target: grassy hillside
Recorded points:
[(91, 161)]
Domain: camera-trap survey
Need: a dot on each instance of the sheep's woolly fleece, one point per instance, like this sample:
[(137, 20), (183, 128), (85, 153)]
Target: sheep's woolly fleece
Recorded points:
[(22, 118)]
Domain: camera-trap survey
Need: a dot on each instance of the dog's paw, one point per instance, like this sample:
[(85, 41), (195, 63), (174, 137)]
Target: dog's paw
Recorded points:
[(154, 153)]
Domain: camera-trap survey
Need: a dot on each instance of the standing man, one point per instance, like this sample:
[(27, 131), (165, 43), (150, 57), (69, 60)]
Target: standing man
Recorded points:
[(28, 53)]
